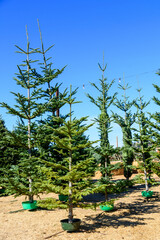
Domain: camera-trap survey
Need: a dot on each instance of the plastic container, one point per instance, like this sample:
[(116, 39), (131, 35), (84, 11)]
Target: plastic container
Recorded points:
[(107, 207), (27, 205), (71, 227), (147, 193)]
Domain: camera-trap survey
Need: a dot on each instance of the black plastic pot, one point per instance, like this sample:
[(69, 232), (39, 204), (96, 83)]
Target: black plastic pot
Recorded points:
[(71, 227)]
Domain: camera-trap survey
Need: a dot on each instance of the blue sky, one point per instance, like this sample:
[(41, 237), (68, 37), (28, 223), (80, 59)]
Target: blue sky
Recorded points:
[(126, 31)]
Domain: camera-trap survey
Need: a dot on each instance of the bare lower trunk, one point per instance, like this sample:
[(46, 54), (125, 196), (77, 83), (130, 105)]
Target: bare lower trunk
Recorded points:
[(30, 190), (145, 173), (29, 119), (146, 180), (106, 193), (70, 215)]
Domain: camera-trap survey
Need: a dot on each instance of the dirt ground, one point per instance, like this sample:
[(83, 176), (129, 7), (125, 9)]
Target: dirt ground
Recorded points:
[(132, 219)]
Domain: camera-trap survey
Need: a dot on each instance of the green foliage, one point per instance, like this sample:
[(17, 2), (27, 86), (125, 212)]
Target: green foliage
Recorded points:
[(139, 179), (155, 124), (51, 94), (33, 136), (70, 176), (125, 123), (122, 185), (156, 168), (16, 179), (143, 139), (51, 203), (9, 150), (103, 102), (20, 179)]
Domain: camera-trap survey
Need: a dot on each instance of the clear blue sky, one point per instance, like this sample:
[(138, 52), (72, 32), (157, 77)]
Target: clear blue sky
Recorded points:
[(126, 31)]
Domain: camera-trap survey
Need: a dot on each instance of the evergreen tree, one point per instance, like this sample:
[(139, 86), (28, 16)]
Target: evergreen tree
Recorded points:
[(4, 162), (9, 151), (70, 177), (51, 94), (143, 138), (21, 178), (125, 123), (103, 102), (53, 99), (155, 124)]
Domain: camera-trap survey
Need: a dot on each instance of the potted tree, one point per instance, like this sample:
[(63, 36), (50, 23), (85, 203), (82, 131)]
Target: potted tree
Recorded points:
[(105, 151), (21, 178), (30, 133), (125, 122), (72, 173), (155, 117), (143, 139)]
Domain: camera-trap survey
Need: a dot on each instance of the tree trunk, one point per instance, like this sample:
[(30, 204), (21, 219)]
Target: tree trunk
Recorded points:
[(145, 174), (106, 193), (70, 215)]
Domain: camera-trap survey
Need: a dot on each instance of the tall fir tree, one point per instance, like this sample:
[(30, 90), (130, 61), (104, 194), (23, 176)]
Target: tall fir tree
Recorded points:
[(49, 74), (155, 124), (143, 138), (53, 99), (125, 122), (104, 102), (28, 108)]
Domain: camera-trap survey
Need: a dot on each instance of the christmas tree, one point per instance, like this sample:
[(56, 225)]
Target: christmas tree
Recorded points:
[(143, 138), (70, 177), (125, 122), (104, 102), (21, 178)]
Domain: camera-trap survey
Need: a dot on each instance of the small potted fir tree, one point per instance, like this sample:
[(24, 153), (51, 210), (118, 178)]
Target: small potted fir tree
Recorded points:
[(75, 182)]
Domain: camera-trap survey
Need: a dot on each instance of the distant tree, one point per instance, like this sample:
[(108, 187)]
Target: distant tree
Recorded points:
[(143, 138), (9, 151), (125, 123), (104, 102), (155, 124)]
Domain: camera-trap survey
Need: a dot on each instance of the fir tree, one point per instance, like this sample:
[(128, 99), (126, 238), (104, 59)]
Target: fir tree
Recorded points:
[(9, 151), (143, 138), (103, 102), (51, 94), (52, 97), (125, 123), (70, 177), (28, 108), (155, 124)]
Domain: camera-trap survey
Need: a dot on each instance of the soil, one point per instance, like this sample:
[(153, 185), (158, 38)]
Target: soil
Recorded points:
[(132, 219)]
